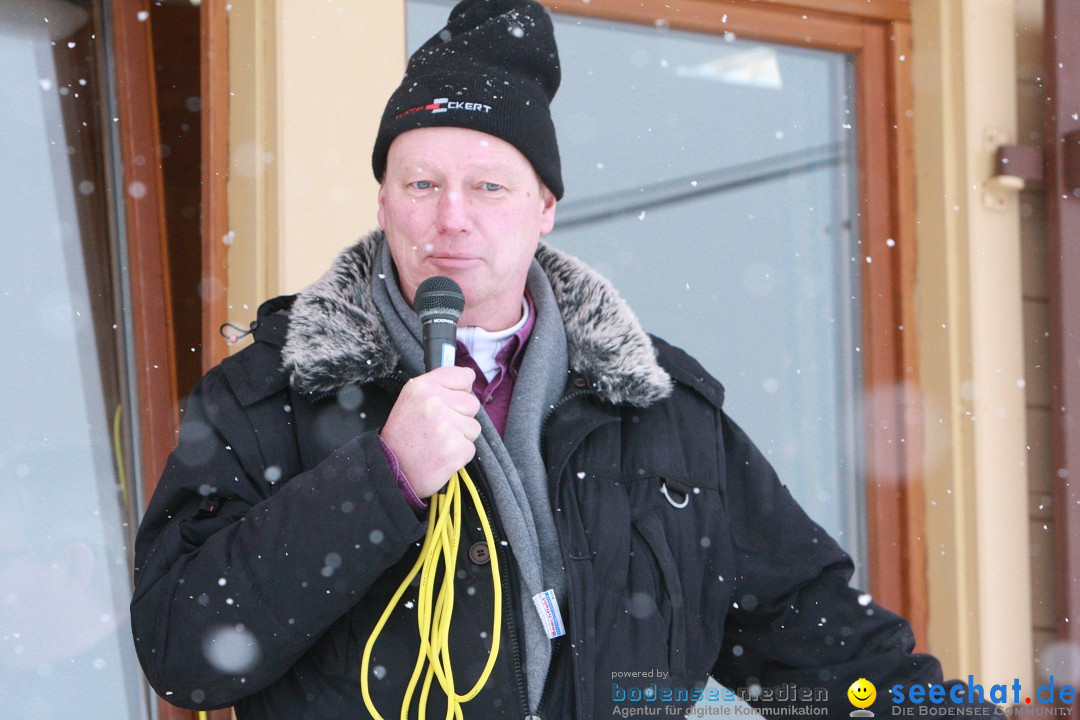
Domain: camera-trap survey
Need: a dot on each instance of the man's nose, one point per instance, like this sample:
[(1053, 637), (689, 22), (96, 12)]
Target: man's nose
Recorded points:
[(453, 212)]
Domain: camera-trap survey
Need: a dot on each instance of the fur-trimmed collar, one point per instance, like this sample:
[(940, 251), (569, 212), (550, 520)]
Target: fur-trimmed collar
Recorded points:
[(337, 337)]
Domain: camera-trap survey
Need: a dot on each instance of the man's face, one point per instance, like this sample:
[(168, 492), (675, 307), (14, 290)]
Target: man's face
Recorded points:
[(467, 205)]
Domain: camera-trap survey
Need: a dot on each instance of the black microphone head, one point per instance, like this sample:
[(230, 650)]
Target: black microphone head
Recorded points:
[(439, 296)]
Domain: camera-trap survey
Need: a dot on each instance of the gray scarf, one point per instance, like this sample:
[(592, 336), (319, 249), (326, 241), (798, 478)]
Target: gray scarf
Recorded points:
[(513, 466)]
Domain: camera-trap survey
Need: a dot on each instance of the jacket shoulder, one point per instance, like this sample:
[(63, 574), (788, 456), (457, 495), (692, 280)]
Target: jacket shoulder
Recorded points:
[(687, 371), (257, 371)]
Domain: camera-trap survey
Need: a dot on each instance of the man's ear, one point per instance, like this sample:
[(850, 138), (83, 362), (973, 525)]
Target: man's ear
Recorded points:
[(547, 214), (382, 207)]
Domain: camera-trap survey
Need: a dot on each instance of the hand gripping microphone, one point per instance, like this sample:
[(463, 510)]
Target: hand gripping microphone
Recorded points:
[(439, 302)]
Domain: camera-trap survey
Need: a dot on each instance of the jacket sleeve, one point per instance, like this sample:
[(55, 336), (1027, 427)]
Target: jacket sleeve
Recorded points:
[(794, 620), (239, 570)]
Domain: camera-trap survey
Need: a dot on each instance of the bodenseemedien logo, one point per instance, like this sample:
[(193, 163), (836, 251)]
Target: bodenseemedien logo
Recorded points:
[(862, 694)]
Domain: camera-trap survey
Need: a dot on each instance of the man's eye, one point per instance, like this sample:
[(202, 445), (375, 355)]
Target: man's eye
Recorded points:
[(492, 187), (422, 184)]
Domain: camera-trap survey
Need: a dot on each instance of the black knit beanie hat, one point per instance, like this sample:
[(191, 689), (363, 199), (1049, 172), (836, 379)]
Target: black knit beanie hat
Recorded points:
[(493, 68)]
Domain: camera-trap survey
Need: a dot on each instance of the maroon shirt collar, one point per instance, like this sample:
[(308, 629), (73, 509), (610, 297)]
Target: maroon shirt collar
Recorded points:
[(495, 395)]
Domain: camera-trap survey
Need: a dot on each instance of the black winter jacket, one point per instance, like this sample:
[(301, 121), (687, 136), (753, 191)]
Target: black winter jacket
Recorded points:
[(277, 535)]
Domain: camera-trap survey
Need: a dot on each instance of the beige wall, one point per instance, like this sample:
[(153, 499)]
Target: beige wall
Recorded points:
[(971, 339), (309, 81)]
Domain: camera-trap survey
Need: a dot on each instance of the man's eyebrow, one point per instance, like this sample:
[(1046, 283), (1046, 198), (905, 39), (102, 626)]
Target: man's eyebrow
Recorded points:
[(415, 166), (492, 167), (412, 166)]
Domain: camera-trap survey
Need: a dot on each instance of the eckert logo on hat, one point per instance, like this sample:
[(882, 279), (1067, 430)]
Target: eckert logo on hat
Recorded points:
[(440, 105), (493, 68)]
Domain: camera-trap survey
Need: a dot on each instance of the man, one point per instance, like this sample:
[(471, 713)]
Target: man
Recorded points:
[(296, 500)]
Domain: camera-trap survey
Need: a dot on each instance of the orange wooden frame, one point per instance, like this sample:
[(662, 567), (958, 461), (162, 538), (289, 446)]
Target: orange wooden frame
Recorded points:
[(146, 235), (146, 241), (877, 36), (214, 82), (145, 217), (214, 74)]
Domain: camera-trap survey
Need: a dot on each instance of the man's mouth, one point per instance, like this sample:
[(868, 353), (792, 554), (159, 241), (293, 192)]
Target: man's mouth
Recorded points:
[(453, 260)]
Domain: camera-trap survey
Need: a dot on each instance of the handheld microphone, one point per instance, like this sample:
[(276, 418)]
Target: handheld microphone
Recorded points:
[(439, 302)]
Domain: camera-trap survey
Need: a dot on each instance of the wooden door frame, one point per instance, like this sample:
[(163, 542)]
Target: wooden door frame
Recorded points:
[(146, 236), (214, 80), (144, 213), (878, 37)]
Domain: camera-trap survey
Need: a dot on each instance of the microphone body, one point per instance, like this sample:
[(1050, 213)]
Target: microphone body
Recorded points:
[(439, 302), (440, 342)]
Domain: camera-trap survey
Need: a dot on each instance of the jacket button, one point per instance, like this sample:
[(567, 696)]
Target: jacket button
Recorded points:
[(580, 382), (479, 554)]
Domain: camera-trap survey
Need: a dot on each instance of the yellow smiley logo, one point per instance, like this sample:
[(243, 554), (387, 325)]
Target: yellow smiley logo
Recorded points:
[(862, 693)]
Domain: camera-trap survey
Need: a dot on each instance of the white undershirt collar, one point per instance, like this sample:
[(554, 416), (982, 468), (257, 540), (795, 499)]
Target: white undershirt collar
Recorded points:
[(484, 345)]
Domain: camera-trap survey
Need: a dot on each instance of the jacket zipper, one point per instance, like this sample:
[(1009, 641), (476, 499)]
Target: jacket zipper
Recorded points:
[(557, 644), (515, 646), (550, 680), (508, 599), (573, 395), (562, 401)]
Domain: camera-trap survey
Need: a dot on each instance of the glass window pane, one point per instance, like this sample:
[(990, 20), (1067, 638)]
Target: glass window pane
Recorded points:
[(65, 642), (711, 178)]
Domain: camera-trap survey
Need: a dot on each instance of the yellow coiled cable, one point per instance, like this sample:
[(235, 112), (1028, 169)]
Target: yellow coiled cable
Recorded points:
[(433, 612)]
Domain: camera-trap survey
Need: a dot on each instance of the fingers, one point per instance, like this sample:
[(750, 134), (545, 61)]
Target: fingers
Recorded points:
[(472, 428), (432, 427), (466, 404), (450, 386), (452, 377)]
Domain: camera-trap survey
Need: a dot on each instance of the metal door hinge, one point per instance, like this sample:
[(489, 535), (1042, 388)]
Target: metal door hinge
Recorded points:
[(1018, 166)]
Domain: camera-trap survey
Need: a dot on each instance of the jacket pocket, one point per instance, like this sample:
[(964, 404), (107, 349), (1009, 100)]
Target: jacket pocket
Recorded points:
[(650, 529)]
